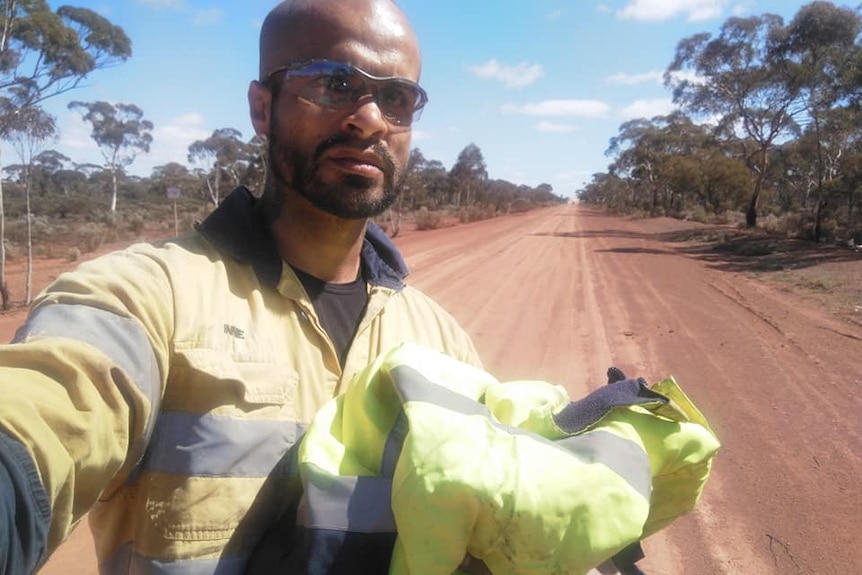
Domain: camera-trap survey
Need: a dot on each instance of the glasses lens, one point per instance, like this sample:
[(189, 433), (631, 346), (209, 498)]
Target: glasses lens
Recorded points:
[(337, 85), (399, 100)]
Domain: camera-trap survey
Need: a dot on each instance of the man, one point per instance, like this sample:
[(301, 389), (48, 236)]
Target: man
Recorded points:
[(157, 388)]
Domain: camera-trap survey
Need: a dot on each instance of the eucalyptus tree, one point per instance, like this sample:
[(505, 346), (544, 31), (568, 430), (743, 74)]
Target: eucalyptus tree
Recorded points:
[(607, 189), (468, 175), (426, 182), (120, 131), (813, 52), (44, 54), (641, 152), (222, 156), (46, 164), (733, 79), (28, 135)]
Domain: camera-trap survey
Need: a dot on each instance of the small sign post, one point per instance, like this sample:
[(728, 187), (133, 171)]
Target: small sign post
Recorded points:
[(174, 194)]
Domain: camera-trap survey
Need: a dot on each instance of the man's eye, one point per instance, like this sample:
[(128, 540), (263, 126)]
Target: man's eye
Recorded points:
[(396, 97), (335, 83)]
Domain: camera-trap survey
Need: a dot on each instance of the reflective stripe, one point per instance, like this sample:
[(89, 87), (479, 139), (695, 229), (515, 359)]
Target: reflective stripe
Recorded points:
[(126, 561), (217, 446), (360, 504), (412, 385), (626, 458), (623, 457), (393, 445), (120, 338)]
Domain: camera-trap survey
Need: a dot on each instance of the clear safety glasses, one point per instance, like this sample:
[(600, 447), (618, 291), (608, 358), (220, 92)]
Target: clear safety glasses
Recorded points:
[(338, 86)]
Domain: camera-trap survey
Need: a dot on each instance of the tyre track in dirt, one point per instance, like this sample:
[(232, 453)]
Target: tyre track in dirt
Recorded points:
[(774, 376)]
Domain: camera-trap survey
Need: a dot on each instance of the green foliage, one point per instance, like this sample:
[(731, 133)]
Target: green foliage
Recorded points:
[(44, 54), (768, 123)]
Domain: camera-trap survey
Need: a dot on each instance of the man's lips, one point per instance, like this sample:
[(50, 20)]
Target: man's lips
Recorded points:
[(361, 163)]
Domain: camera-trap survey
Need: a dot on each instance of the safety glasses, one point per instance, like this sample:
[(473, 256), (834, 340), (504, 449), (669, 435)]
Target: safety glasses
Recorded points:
[(339, 86)]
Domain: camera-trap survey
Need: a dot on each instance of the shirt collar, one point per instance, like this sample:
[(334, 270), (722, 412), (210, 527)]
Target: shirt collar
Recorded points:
[(242, 232)]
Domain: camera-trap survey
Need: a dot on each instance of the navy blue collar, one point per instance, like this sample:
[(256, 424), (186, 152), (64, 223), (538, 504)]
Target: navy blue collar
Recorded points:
[(242, 232)]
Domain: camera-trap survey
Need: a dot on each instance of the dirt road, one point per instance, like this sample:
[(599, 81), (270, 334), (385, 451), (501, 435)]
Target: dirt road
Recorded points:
[(562, 294)]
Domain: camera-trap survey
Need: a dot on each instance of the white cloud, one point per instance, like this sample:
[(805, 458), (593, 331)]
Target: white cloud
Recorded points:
[(741, 9), (658, 10), (686, 76), (207, 17), (516, 76), (568, 108), (163, 4), (555, 15), (553, 128), (633, 79), (420, 136), (648, 108), (75, 133), (171, 142)]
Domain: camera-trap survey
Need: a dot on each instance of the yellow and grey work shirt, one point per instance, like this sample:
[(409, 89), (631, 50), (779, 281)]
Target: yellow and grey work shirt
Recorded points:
[(158, 388)]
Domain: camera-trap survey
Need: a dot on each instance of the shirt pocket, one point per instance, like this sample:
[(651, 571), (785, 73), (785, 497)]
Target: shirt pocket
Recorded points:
[(225, 425)]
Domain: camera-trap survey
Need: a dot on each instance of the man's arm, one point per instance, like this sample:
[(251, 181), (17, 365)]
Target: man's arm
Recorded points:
[(81, 384)]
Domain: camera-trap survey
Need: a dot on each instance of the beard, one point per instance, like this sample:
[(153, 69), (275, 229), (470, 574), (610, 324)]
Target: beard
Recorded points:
[(353, 196)]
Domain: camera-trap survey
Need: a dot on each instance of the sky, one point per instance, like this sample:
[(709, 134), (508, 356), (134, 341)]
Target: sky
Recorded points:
[(540, 86)]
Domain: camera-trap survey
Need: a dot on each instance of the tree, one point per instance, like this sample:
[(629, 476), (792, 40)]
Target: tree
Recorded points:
[(814, 51), (34, 127), (224, 155), (468, 174), (120, 132), (172, 175), (642, 152), (44, 54), (733, 78)]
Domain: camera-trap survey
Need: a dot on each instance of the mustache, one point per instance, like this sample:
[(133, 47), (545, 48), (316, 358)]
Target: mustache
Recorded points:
[(384, 156)]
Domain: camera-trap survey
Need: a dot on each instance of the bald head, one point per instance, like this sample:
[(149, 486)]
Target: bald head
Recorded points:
[(349, 31)]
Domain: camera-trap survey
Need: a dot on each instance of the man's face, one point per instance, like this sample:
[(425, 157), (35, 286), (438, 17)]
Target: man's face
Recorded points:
[(335, 104), (318, 153)]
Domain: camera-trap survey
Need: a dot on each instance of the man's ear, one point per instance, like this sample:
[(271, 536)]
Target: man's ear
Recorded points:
[(259, 106)]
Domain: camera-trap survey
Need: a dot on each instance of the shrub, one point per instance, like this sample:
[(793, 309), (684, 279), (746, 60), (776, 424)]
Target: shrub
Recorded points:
[(521, 205), (426, 220), (137, 223), (476, 214), (90, 237), (695, 214)]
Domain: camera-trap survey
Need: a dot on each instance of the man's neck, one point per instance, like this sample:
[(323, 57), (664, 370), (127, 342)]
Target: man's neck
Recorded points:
[(320, 244)]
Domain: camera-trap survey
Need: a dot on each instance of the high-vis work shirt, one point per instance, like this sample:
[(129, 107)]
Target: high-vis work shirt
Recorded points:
[(425, 460), (158, 387)]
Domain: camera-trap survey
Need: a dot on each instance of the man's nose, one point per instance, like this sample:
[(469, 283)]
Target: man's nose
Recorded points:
[(367, 118)]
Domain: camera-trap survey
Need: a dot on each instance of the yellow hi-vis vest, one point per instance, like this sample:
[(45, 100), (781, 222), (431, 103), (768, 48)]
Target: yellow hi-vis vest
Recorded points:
[(453, 462)]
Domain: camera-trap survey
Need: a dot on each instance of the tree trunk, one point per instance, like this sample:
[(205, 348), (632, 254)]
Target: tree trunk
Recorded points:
[(760, 170), (113, 190), (29, 289), (4, 290)]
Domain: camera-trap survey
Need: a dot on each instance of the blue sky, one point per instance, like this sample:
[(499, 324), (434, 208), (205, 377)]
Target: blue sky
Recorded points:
[(539, 85)]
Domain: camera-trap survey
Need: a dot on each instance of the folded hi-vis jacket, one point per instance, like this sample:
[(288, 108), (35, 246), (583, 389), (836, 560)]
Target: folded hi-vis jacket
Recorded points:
[(430, 460)]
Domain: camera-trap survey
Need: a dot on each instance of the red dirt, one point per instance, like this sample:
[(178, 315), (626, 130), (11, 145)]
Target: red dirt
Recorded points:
[(564, 293)]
